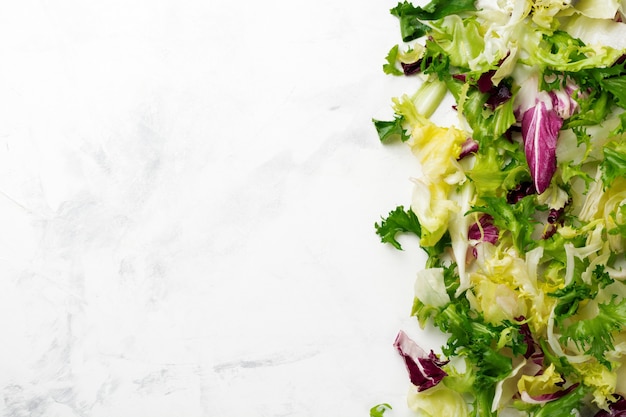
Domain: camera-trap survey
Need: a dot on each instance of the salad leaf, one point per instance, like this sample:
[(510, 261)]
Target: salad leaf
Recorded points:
[(516, 219), (614, 163), (398, 221), (438, 401), (616, 409), (390, 130), (617, 88), (410, 25), (540, 130), (379, 410), (460, 39), (565, 406), (595, 335), (520, 205), (425, 370), (392, 58)]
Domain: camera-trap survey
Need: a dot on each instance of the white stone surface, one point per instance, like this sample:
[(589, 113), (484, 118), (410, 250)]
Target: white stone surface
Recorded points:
[(187, 198)]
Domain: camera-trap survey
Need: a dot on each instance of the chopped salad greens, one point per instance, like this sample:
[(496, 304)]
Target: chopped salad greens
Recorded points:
[(520, 205)]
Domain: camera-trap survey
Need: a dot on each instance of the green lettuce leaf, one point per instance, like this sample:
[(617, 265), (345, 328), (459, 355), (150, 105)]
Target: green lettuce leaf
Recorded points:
[(391, 130)]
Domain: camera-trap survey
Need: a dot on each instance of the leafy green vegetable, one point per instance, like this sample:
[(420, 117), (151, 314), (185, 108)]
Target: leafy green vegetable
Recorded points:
[(410, 25), (390, 130), (379, 410), (411, 16), (518, 219), (398, 221), (535, 315), (614, 163), (617, 87), (620, 224), (564, 406), (391, 67), (595, 335)]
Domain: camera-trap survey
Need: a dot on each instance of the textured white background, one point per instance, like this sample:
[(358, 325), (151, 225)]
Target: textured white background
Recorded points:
[(187, 198)]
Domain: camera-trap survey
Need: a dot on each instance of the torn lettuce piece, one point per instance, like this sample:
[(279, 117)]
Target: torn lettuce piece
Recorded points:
[(437, 402), (433, 209), (430, 287)]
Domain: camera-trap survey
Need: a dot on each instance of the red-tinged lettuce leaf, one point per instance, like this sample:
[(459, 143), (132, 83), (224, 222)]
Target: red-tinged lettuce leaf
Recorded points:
[(540, 130), (424, 369)]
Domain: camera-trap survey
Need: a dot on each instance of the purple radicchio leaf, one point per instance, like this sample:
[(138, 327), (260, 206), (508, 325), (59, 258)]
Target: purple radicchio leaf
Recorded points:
[(555, 217), (470, 146), (544, 398), (460, 77), (563, 103), (485, 83), (533, 350), (540, 130), (484, 230), (413, 68), (520, 191), (617, 409), (498, 95), (424, 370)]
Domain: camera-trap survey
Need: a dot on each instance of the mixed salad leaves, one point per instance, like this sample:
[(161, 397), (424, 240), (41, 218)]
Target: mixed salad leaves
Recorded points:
[(520, 205)]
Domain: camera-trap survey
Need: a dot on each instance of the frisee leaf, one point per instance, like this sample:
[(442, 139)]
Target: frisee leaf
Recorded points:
[(398, 221), (595, 335), (517, 219), (614, 163)]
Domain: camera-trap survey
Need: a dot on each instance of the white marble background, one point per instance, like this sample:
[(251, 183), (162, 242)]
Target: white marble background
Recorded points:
[(187, 198)]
